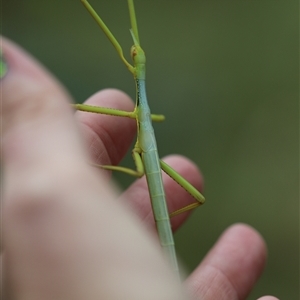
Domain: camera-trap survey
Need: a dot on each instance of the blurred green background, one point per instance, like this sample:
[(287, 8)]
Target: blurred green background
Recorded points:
[(225, 74)]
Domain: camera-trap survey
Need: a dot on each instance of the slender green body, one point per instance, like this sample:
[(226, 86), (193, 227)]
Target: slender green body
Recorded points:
[(151, 162), (145, 152)]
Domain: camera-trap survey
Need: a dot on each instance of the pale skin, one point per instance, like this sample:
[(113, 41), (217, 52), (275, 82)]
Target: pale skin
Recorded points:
[(65, 233)]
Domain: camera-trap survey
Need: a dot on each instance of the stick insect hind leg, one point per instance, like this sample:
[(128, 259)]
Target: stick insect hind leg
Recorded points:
[(185, 185)]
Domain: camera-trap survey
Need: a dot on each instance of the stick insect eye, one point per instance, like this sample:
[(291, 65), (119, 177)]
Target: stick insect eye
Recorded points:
[(133, 52)]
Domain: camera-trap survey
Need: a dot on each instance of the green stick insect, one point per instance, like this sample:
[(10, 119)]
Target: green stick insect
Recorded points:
[(145, 152)]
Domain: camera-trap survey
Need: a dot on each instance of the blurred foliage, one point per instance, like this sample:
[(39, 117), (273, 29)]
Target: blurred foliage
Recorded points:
[(225, 73)]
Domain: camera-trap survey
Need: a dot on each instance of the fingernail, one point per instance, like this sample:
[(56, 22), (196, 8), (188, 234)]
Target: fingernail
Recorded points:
[(3, 66)]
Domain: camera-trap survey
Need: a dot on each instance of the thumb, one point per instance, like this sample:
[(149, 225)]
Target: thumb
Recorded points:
[(65, 235)]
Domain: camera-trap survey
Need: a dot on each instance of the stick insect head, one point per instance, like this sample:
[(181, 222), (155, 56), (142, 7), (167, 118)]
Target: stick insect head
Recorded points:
[(137, 53)]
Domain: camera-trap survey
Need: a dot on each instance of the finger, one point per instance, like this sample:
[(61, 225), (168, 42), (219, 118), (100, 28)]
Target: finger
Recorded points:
[(108, 137), (65, 235), (177, 197), (231, 268), (268, 298)]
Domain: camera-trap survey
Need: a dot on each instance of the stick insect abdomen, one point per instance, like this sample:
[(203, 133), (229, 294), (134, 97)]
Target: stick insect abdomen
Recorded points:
[(152, 168)]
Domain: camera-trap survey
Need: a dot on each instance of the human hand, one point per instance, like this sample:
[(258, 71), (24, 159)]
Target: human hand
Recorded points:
[(64, 234)]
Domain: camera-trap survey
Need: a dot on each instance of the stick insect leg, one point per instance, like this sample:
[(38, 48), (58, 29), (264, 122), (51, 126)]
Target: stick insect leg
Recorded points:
[(186, 185), (139, 172), (114, 112), (108, 34)]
